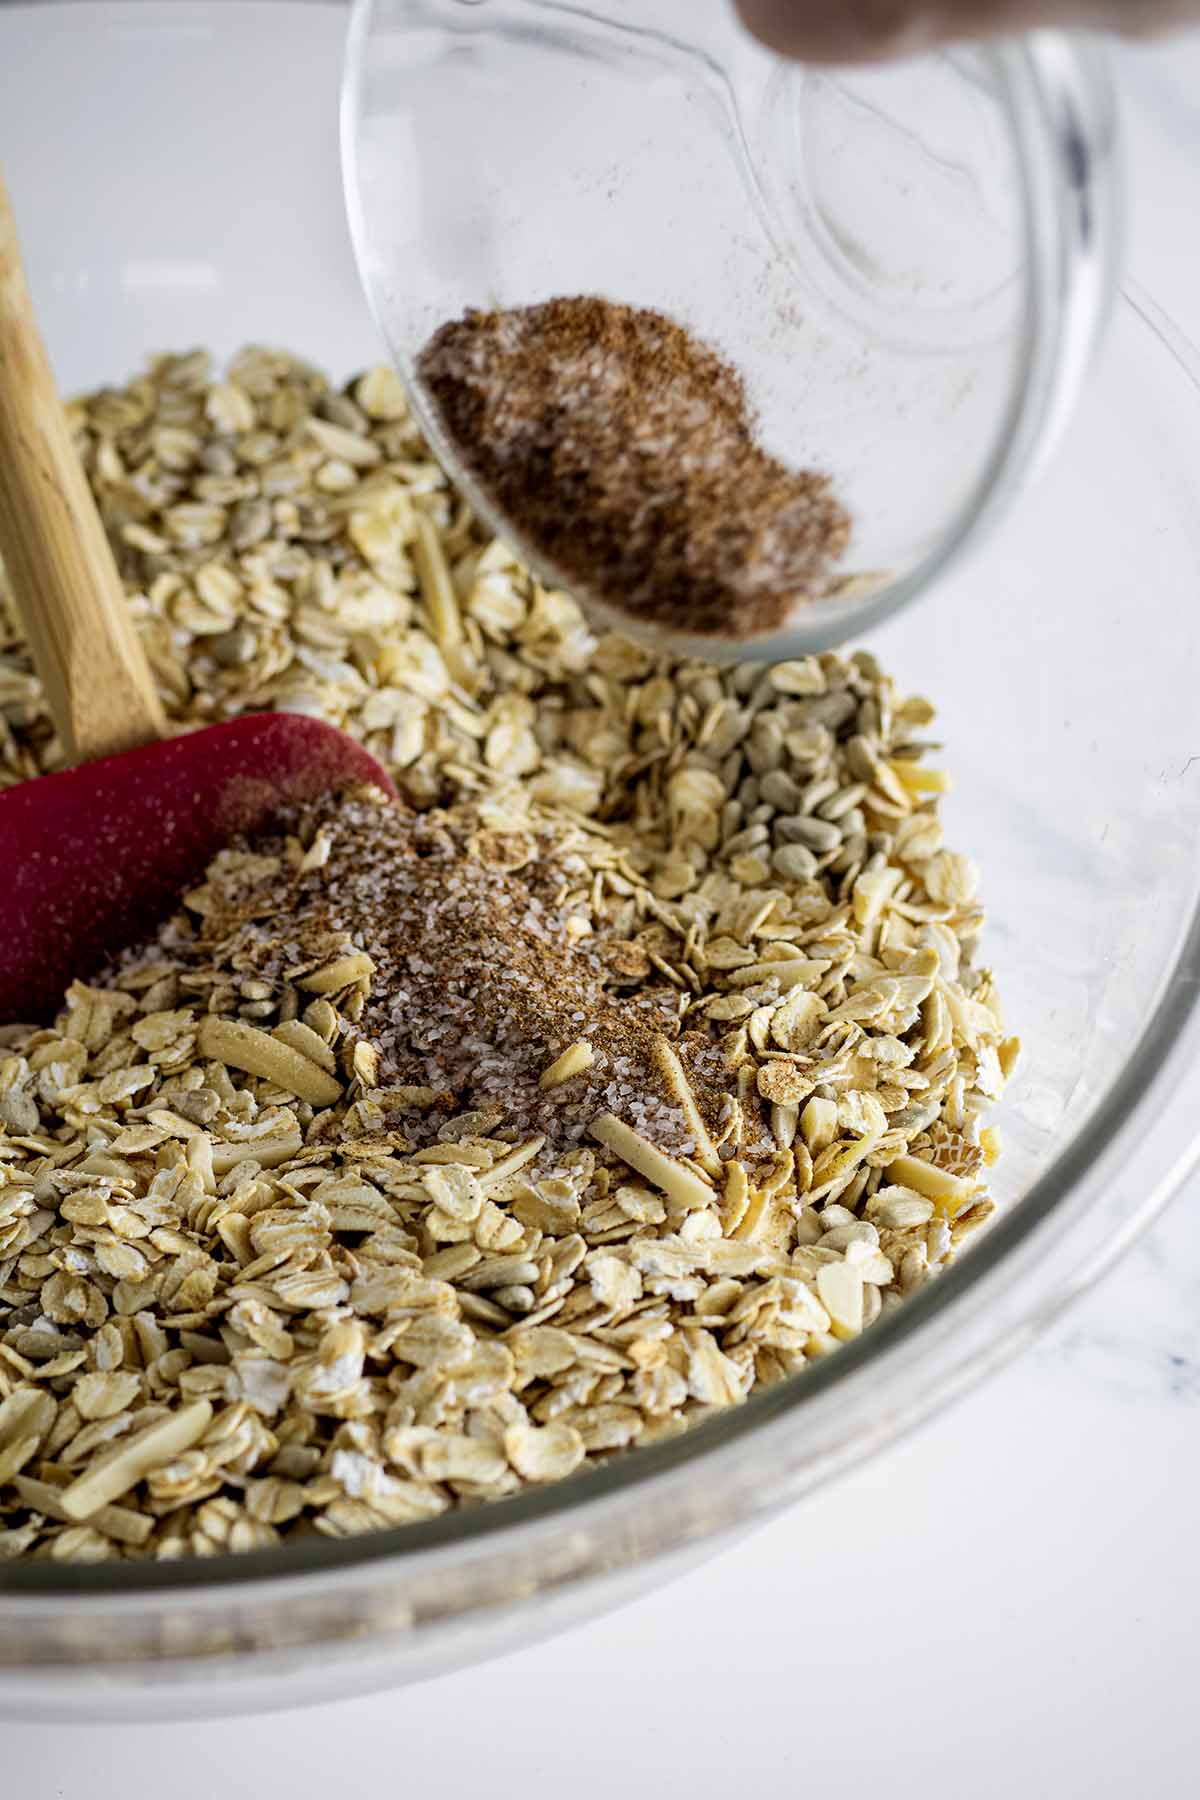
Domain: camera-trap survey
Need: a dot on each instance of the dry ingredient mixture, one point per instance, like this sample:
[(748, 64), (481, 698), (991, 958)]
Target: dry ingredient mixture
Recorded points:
[(423, 1158), (624, 449)]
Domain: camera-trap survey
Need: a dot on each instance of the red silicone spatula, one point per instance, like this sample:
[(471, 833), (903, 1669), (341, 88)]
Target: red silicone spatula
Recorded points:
[(92, 858)]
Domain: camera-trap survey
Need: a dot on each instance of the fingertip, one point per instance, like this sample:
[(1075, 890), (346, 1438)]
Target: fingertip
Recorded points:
[(840, 31), (774, 23)]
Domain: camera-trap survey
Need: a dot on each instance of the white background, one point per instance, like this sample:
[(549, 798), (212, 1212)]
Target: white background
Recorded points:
[(1002, 1605)]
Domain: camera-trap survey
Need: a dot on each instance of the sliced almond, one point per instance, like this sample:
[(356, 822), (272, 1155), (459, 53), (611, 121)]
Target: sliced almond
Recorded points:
[(256, 1052), (437, 586), (200, 1160), (573, 1061), (785, 1122), (673, 1074), (130, 1459), (949, 1192), (320, 1017), (680, 1184), (343, 972), (841, 1291), (818, 1124), (303, 1038), (267, 1152), (27, 1412), (116, 1522), (737, 1197), (754, 1217), (510, 1164)]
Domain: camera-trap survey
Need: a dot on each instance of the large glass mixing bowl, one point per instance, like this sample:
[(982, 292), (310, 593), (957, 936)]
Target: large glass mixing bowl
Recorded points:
[(909, 265), (175, 170)]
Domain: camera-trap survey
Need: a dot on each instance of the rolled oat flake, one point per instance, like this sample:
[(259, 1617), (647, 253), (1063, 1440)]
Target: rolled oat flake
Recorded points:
[(624, 450)]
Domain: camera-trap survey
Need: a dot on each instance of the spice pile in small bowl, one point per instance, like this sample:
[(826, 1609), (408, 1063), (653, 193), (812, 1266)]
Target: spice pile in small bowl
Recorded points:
[(624, 451), (430, 1153)]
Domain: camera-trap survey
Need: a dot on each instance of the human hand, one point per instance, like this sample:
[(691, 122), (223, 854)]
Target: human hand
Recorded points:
[(849, 31)]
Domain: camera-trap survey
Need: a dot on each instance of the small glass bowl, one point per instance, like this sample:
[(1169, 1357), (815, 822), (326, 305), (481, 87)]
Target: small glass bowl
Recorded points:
[(910, 266)]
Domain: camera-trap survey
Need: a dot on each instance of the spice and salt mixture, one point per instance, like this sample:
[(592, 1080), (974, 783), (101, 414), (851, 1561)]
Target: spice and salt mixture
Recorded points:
[(431, 1153), (625, 450)]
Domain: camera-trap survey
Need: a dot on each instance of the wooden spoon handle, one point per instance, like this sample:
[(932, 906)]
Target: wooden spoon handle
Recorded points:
[(60, 568)]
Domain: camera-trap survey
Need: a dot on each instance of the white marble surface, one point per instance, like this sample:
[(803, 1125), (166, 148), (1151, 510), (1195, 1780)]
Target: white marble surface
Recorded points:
[(1001, 1605)]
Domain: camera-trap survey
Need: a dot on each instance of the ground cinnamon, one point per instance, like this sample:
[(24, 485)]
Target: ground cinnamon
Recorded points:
[(478, 985), (624, 450)]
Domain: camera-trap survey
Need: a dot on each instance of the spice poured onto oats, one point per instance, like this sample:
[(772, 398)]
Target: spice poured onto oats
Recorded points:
[(248, 1288), (480, 994)]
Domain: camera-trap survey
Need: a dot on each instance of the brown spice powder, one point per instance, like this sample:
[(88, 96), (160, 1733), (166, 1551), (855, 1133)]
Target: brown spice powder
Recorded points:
[(624, 450), (478, 984)]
